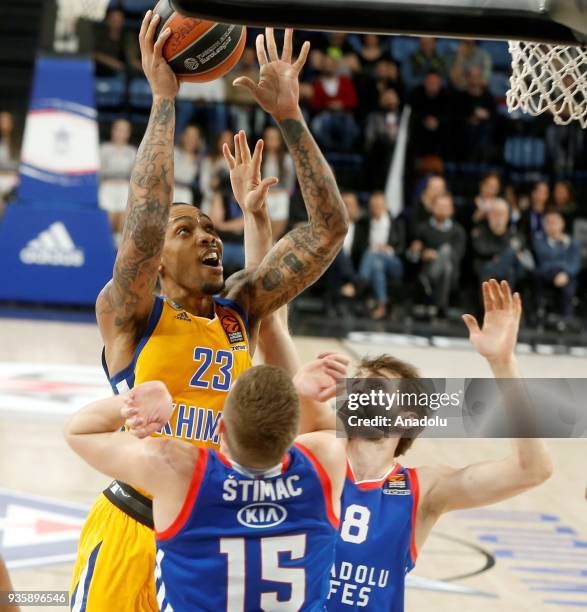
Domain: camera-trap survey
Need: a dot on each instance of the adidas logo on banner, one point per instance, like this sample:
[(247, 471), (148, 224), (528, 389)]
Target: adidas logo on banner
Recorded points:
[(53, 247), (183, 316)]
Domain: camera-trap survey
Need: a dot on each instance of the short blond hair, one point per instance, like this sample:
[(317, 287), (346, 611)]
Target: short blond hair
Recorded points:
[(262, 414)]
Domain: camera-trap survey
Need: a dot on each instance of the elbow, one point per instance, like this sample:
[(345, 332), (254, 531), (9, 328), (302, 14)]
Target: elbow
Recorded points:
[(538, 474), (68, 430), (340, 227)]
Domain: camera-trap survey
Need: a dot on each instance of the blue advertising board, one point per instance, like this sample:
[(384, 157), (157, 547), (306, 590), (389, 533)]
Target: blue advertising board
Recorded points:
[(60, 154), (55, 256)]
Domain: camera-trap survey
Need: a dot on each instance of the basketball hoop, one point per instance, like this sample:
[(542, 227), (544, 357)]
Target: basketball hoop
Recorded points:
[(94, 10), (68, 14), (549, 79)]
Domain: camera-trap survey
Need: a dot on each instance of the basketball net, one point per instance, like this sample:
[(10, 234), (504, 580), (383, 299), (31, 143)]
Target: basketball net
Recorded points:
[(68, 13), (549, 79)]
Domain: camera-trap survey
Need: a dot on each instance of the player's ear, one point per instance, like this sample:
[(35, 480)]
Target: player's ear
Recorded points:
[(222, 436)]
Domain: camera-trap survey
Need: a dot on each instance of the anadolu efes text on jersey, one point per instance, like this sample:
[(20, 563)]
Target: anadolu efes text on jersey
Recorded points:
[(376, 547), (246, 541), (197, 358)]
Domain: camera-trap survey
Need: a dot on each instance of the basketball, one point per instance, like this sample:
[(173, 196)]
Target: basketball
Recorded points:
[(197, 50), (293, 288)]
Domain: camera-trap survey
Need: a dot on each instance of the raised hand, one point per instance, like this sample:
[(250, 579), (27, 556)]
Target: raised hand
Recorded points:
[(496, 341), (147, 408), (161, 78), (278, 90), (317, 379), (249, 189)]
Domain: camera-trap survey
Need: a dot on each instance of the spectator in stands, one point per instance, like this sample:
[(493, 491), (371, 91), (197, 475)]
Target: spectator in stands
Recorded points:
[(531, 222), (214, 173), (278, 162), (475, 109), (9, 158), (424, 61), (333, 91), (228, 220), (242, 106), (430, 116), (381, 131), (372, 51), (341, 277), (381, 239), (563, 199), (370, 86), (439, 247), (489, 189), (565, 146), (337, 46), (334, 100), (468, 55), (117, 158), (115, 49), (435, 186), (9, 145), (558, 262), (203, 104), (510, 195), (496, 246), (188, 159)]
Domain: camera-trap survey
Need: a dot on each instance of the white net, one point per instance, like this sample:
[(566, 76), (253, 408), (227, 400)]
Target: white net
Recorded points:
[(549, 79), (68, 13), (95, 10)]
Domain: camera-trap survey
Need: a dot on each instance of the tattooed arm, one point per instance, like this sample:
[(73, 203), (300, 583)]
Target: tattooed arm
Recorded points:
[(124, 304), (302, 255)]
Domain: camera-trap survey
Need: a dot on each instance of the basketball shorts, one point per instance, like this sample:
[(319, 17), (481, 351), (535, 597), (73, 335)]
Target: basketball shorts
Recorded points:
[(115, 566)]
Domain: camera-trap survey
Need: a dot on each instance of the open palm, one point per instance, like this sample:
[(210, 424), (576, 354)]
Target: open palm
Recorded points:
[(278, 90), (318, 379), (147, 408), (497, 339), (250, 191)]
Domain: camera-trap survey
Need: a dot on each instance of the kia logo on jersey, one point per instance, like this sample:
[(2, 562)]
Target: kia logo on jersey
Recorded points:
[(261, 516)]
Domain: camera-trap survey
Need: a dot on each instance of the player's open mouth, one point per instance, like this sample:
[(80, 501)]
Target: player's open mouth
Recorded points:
[(212, 259)]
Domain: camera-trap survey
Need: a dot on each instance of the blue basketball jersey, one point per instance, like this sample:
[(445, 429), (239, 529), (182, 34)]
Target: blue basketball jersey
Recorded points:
[(249, 542), (375, 549)]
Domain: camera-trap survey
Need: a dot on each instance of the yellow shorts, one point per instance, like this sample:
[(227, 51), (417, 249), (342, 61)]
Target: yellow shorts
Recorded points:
[(115, 566)]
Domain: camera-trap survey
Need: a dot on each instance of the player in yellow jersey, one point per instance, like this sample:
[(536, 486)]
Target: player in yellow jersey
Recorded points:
[(5, 589), (195, 342)]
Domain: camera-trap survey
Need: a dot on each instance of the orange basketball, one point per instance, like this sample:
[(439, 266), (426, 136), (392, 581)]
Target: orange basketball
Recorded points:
[(199, 50)]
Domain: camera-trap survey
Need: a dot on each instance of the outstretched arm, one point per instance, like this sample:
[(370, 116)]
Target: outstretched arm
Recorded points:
[(529, 463), (126, 301), (250, 191), (316, 384), (94, 434), (302, 255)]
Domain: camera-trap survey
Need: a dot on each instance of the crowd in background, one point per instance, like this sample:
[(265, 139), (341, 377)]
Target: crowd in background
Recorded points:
[(486, 194)]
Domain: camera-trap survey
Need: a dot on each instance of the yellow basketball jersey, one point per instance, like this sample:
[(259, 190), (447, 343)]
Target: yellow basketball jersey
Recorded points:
[(197, 358)]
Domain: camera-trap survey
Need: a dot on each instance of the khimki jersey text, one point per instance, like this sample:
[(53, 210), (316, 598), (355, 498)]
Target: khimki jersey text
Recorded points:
[(193, 423)]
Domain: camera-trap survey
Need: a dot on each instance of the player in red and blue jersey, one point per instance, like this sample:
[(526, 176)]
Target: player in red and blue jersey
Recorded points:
[(252, 526), (388, 510)]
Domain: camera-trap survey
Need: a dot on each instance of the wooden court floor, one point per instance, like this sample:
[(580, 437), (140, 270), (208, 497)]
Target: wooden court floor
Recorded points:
[(529, 553)]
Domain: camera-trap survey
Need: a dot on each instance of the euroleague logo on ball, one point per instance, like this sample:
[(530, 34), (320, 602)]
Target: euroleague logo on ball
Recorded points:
[(232, 327), (191, 63)]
